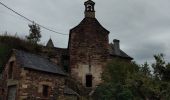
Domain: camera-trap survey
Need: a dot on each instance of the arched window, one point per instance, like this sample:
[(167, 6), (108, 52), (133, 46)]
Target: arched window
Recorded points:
[(89, 8)]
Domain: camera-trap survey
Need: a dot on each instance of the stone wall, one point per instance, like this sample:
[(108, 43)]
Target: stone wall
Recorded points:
[(15, 76), (32, 83), (88, 50), (29, 82)]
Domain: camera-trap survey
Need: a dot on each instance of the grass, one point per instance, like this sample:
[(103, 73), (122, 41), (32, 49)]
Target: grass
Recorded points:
[(7, 43)]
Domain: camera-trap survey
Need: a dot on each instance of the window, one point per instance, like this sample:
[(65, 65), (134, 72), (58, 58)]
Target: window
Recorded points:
[(89, 8), (11, 93), (10, 70), (45, 90), (88, 80), (65, 62)]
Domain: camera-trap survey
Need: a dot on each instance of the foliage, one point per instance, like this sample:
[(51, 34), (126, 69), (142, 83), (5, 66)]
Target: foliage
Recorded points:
[(145, 69), (34, 35), (124, 80), (159, 66), (115, 77), (7, 43), (14, 42)]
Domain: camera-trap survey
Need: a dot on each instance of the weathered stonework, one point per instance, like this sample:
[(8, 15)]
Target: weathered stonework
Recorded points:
[(87, 55), (57, 55), (33, 82), (29, 82), (88, 50)]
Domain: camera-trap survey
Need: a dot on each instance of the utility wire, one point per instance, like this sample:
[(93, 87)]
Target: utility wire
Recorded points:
[(30, 19)]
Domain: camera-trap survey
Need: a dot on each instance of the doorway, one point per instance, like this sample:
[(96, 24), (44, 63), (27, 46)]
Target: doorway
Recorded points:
[(89, 80)]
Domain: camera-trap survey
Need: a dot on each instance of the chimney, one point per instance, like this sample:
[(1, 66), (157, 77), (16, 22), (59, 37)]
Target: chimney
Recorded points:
[(116, 46)]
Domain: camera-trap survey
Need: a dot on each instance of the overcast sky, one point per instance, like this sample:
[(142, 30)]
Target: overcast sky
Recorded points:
[(142, 26)]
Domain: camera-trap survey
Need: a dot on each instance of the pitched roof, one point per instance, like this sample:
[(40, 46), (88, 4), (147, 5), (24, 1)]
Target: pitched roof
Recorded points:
[(50, 43), (91, 23), (119, 53), (36, 62), (89, 1)]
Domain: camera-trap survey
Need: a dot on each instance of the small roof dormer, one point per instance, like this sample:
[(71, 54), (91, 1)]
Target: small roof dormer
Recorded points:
[(89, 9)]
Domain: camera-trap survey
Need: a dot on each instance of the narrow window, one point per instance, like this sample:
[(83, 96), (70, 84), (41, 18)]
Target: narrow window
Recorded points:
[(65, 62), (10, 71), (88, 80), (45, 90)]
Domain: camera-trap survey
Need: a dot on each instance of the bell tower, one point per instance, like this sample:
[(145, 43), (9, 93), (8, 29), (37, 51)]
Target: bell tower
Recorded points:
[(88, 49), (89, 9)]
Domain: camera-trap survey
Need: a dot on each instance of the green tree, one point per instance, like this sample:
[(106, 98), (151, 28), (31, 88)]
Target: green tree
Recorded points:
[(161, 77), (34, 33), (159, 66), (116, 75), (145, 69), (129, 81)]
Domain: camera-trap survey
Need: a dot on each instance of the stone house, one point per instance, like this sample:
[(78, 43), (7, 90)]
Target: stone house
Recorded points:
[(29, 76), (88, 51)]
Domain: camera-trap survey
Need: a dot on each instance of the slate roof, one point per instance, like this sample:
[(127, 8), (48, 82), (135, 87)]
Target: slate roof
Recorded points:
[(91, 23), (36, 62), (69, 91), (120, 53)]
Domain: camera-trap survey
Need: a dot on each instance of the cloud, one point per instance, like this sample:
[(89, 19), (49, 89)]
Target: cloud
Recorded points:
[(142, 26)]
